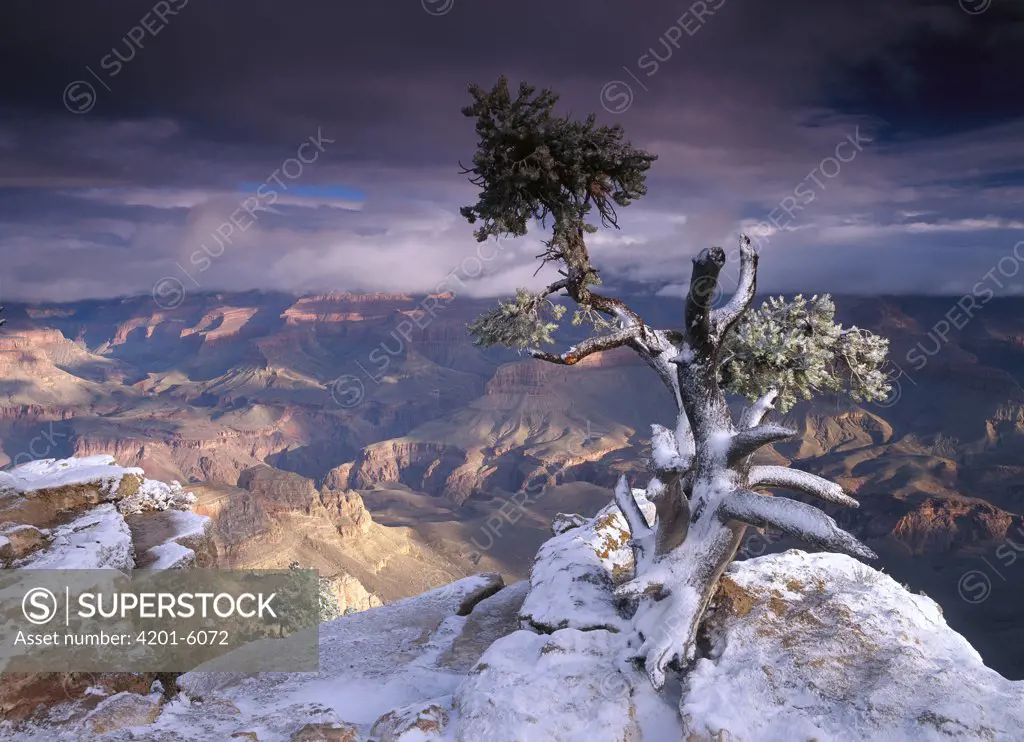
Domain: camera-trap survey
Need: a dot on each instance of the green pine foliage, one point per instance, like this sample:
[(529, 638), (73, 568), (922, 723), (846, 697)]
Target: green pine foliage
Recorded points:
[(797, 348), (531, 164), (526, 321)]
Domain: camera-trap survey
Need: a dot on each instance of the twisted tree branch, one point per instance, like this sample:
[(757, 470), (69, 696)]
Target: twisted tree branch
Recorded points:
[(724, 318), (752, 416), (746, 442), (665, 453), (638, 525), (797, 519), (588, 347), (800, 481)]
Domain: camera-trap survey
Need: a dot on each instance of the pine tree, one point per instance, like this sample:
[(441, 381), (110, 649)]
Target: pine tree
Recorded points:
[(532, 165)]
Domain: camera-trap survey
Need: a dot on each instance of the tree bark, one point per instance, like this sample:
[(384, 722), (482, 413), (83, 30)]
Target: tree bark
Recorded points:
[(695, 542), (702, 479)]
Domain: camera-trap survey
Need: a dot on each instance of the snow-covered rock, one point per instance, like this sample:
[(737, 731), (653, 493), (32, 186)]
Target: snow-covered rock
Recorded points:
[(562, 687), (573, 575), (172, 539), (123, 710), (801, 647), (90, 513), (155, 495), (47, 492), (169, 555), (98, 515), (563, 522), (100, 539), (46, 474), (820, 646), (417, 722), (22, 538)]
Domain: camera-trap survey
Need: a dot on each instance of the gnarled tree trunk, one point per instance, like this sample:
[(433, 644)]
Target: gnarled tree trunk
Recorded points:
[(702, 488), (703, 482)]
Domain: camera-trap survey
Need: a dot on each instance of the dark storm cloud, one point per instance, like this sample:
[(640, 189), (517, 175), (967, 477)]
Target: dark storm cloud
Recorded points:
[(744, 101)]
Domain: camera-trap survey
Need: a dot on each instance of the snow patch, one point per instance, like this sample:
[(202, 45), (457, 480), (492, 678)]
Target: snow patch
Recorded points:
[(170, 555), (685, 355), (565, 687), (156, 495), (188, 524), (573, 576), (100, 539), (827, 648), (49, 473)]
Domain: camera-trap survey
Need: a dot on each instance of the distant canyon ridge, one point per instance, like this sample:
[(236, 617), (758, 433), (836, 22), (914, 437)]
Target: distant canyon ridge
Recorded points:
[(361, 436)]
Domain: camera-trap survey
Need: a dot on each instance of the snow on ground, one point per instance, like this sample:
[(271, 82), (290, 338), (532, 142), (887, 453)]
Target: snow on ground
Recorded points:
[(155, 495), (801, 647), (187, 524), (179, 528), (820, 646), (49, 473), (100, 539), (170, 555), (567, 686), (370, 663)]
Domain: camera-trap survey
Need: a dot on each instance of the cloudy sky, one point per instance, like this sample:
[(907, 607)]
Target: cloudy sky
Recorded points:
[(131, 138)]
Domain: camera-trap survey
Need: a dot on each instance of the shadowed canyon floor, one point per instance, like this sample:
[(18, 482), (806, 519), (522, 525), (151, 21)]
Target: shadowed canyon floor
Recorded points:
[(372, 441)]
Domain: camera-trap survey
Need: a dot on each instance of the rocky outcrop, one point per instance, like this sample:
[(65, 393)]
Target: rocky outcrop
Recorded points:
[(220, 324), (20, 540), (338, 477), (92, 514), (100, 516), (796, 646), (97, 539), (75, 695), (820, 646), (279, 491), (351, 595), (421, 465), (122, 711), (572, 579), (417, 722), (47, 492), (347, 512), (951, 525), (172, 539), (222, 457)]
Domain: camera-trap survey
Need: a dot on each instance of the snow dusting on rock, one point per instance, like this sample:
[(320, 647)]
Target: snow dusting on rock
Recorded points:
[(822, 647), (170, 555), (100, 515), (159, 496), (798, 647), (573, 575), (100, 539), (50, 473), (562, 687)]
